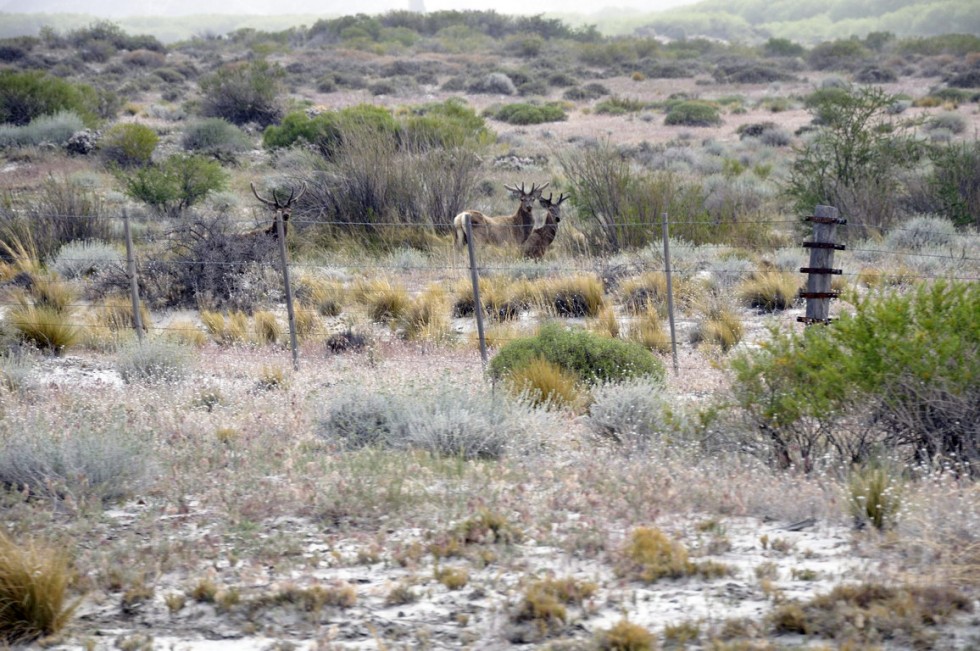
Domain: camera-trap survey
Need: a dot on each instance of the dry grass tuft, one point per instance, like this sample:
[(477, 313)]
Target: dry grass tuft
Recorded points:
[(640, 293), (626, 636), (546, 384), (648, 330), (385, 301), (720, 326), (576, 296), (186, 332), (266, 328), (428, 316), (650, 555), (770, 291), (34, 582), (45, 327), (606, 323)]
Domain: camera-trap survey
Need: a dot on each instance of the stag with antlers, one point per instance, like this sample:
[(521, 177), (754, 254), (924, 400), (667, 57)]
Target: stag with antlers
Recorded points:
[(506, 229), (282, 209), (544, 233)]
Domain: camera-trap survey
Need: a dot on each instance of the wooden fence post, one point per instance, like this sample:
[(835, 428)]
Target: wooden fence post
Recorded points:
[(818, 284)]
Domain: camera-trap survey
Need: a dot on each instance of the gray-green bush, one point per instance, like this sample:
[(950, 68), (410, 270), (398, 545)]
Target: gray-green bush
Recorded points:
[(54, 129), (81, 258), (153, 360), (629, 413)]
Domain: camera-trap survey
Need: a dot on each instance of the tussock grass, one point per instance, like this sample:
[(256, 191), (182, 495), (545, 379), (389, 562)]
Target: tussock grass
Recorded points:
[(545, 601), (266, 328), (575, 296), (648, 330), (45, 327), (640, 293), (115, 314), (34, 582), (874, 496), (545, 384), (327, 297), (308, 324), (626, 636), (428, 316), (719, 326), (385, 301), (770, 291), (183, 331), (606, 323)]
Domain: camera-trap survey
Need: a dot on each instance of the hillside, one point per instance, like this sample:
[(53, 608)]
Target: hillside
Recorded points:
[(806, 21)]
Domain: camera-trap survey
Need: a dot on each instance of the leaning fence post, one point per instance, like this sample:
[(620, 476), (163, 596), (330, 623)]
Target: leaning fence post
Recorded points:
[(818, 284), (670, 292), (281, 232), (134, 289), (475, 279)]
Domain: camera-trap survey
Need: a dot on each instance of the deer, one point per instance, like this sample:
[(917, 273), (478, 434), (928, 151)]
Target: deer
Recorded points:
[(506, 229), (284, 209), (543, 233)]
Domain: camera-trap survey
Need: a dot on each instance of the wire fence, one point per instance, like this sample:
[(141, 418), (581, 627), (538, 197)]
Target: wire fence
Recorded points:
[(689, 261)]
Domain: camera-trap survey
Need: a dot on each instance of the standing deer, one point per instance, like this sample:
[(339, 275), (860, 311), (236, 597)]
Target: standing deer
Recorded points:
[(544, 233), (507, 229), (285, 209)]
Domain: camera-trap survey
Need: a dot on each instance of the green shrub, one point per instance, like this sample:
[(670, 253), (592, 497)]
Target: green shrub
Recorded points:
[(25, 96), (619, 106), (837, 55), (215, 137), (955, 181), (129, 145), (693, 113), (445, 124), (900, 372), (326, 130), (176, 184), (855, 160), (593, 358), (243, 92), (54, 129), (153, 360), (34, 582), (524, 113), (949, 120)]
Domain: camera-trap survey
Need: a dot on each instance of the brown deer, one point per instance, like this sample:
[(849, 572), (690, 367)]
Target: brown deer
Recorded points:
[(285, 209), (544, 233), (507, 229)]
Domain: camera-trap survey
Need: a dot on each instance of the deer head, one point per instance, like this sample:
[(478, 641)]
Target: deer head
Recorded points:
[(527, 197), (285, 209), (553, 207)]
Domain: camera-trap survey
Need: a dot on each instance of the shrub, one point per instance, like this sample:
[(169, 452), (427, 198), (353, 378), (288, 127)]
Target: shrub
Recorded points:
[(495, 83), (921, 232), (842, 54), (586, 93), (631, 413), (83, 462), (626, 636), (524, 113), (855, 160), (593, 358), (129, 145), (51, 129), (948, 120), (445, 124), (34, 582), (215, 137), (955, 181), (897, 372), (444, 419), (176, 184), (693, 113), (243, 92), (25, 96), (326, 131), (154, 360), (81, 258), (61, 211), (619, 106)]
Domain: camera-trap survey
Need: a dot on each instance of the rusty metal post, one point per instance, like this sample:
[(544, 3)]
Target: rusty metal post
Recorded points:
[(475, 279), (290, 312), (818, 285), (134, 287)]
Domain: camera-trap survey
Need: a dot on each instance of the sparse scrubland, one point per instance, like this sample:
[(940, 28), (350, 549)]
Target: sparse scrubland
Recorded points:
[(776, 486)]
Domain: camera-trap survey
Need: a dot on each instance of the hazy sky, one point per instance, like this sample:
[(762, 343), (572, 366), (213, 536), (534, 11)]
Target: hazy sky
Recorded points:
[(116, 8)]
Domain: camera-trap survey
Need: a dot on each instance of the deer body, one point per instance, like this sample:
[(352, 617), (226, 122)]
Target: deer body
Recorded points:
[(544, 234), (506, 229)]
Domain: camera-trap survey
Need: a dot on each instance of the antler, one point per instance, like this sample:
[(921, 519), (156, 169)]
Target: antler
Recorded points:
[(292, 197), (548, 202)]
